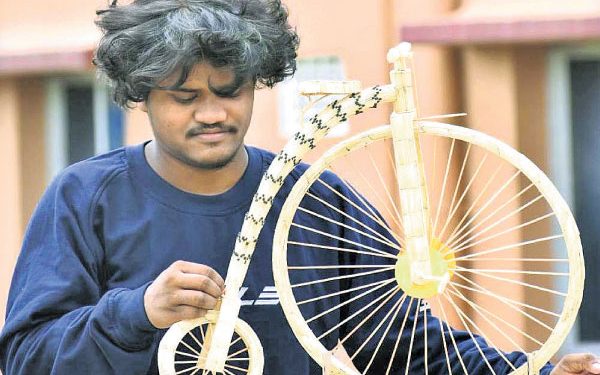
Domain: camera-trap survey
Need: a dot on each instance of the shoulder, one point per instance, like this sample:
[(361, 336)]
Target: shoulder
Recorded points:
[(86, 179)]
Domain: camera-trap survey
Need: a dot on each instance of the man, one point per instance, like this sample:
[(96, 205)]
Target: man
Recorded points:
[(125, 244)]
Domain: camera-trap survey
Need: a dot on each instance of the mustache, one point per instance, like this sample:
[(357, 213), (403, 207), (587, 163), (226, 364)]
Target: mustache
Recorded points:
[(210, 128)]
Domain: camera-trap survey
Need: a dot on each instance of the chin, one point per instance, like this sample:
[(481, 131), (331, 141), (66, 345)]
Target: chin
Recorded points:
[(212, 161)]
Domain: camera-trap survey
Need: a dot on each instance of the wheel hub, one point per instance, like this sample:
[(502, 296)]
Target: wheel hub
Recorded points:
[(443, 264)]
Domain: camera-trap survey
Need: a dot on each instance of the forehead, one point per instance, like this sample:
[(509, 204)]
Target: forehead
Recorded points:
[(203, 74)]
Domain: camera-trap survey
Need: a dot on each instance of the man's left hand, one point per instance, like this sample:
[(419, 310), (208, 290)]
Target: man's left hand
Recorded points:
[(577, 364)]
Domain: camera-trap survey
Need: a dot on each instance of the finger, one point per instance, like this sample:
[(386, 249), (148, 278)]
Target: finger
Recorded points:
[(199, 283), (201, 269), (195, 299), (189, 312)]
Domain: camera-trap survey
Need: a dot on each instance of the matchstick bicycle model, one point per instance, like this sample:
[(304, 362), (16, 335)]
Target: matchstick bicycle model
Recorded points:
[(466, 233)]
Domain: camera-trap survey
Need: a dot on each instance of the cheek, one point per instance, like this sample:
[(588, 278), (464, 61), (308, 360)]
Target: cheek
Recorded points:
[(169, 118)]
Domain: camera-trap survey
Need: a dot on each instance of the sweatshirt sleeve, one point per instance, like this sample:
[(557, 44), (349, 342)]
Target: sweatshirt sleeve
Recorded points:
[(412, 320), (60, 319)]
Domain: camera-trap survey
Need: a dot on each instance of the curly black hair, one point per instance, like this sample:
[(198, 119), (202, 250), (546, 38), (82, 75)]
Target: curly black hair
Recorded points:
[(149, 40)]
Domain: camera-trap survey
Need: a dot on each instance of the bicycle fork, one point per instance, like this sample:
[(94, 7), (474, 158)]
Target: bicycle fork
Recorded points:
[(421, 270)]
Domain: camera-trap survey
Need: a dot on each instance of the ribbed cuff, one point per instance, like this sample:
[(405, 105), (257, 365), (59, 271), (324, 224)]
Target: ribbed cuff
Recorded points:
[(131, 326)]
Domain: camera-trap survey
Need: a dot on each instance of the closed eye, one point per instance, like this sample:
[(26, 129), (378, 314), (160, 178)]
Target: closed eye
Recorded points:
[(184, 99), (227, 93)]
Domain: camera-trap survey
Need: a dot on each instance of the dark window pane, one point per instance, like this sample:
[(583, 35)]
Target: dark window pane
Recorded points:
[(80, 121), (115, 125), (585, 104)]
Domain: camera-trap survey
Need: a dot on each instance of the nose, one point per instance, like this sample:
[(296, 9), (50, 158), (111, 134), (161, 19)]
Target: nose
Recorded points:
[(210, 110)]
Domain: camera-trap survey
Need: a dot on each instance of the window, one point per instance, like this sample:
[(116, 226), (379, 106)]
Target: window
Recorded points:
[(585, 114), (82, 121), (574, 153), (292, 104)]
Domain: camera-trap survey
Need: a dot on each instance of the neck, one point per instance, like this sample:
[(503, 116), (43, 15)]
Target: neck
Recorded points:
[(193, 179)]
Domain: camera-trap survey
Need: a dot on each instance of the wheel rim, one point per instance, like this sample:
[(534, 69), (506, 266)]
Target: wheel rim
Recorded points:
[(182, 345), (561, 323)]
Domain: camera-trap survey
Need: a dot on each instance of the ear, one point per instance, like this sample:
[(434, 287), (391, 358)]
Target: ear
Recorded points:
[(143, 107)]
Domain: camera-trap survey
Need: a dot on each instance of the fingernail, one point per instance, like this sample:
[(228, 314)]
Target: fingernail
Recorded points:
[(596, 367)]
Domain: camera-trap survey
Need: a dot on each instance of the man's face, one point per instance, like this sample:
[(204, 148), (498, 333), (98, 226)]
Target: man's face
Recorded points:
[(202, 123)]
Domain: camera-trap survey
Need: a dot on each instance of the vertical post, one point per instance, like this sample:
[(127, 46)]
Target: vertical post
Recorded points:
[(414, 203)]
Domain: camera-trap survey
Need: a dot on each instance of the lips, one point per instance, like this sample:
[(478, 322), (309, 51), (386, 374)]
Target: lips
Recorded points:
[(213, 132)]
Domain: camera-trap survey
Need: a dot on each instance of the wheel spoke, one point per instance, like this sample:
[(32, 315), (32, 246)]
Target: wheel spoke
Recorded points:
[(186, 370), (462, 197), (371, 215), (511, 281), (412, 337), (336, 267), (341, 277), (458, 243), (460, 359), (396, 310), (344, 291), (190, 348), (515, 272), (389, 294), (236, 368), (463, 245), (243, 350), (507, 301), (453, 200), (349, 217), (445, 345), (493, 345), (460, 316), (459, 228), (191, 333), (442, 193), (329, 235), (479, 310), (342, 249), (310, 320), (451, 239), (508, 247), (186, 354), (399, 336), (384, 184), (386, 243), (396, 219), (376, 329), (426, 343)]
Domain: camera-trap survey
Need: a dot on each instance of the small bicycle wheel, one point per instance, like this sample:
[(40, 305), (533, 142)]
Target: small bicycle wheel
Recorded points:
[(182, 349), (499, 229)]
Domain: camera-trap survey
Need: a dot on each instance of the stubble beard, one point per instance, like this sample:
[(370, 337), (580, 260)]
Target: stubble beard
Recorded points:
[(213, 164)]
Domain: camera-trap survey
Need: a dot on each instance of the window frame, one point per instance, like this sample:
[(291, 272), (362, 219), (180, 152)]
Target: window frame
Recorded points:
[(560, 147), (56, 119)]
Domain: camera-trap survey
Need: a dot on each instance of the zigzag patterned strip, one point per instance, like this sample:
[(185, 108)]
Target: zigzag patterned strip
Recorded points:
[(263, 198), (287, 159), (337, 111), (254, 219), (304, 139), (269, 177)]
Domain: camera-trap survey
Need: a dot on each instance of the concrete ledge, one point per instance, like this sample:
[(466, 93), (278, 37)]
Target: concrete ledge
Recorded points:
[(44, 62), (455, 30)]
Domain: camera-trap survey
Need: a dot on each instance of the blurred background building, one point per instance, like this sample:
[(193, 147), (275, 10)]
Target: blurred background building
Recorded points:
[(526, 72)]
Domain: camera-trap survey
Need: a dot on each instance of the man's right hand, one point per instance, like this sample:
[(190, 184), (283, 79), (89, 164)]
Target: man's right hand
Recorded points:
[(183, 291)]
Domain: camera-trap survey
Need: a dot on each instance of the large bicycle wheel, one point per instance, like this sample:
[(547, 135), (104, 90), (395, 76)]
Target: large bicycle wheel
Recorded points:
[(183, 349), (500, 231)]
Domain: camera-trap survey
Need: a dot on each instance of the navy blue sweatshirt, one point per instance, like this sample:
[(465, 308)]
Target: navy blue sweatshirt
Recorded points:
[(107, 226)]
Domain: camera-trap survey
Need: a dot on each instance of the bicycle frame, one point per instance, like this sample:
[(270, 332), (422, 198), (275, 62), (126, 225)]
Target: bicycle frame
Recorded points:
[(400, 93)]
